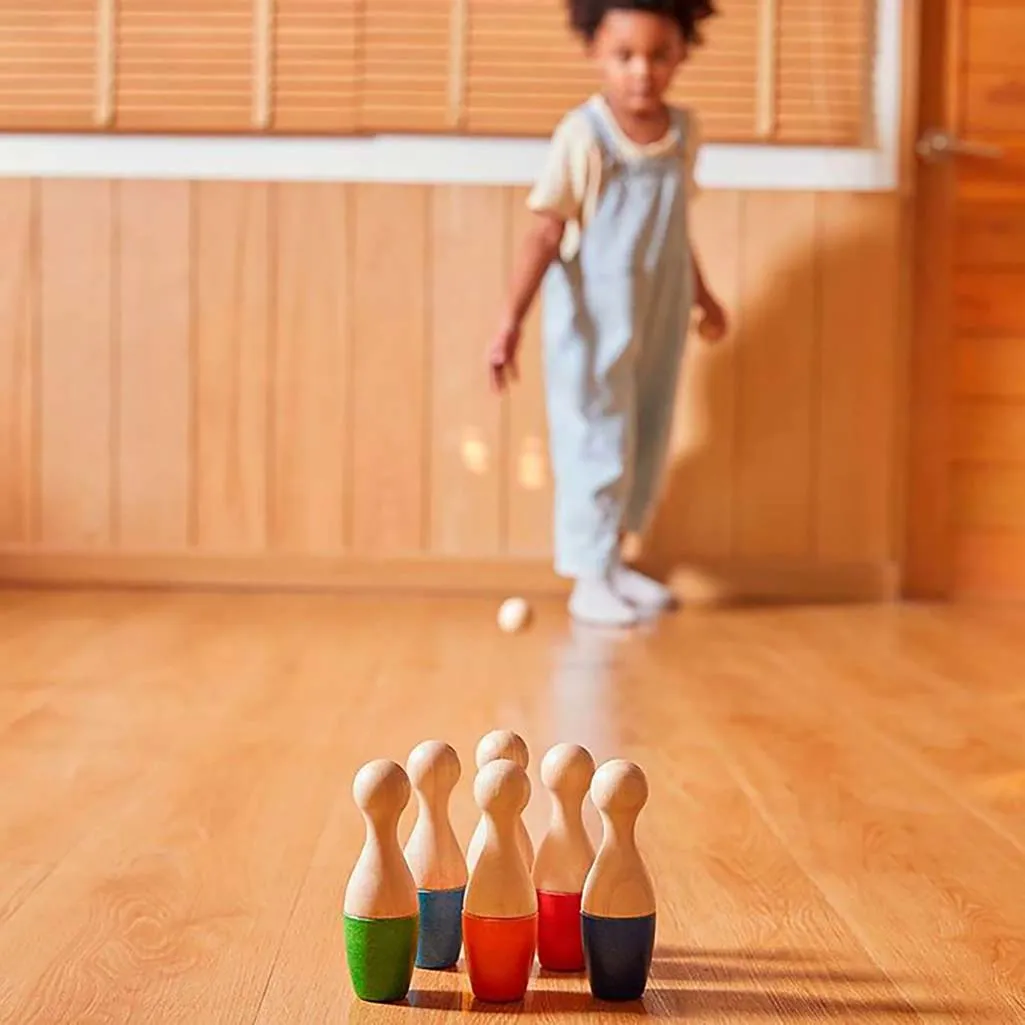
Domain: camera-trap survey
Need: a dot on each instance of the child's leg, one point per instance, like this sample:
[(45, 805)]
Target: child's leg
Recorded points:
[(657, 379)]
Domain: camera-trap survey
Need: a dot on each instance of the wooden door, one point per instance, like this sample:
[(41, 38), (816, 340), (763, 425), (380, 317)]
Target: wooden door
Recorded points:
[(966, 485)]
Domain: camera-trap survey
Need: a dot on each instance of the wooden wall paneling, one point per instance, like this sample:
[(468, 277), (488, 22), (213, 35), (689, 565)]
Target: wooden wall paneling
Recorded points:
[(469, 242), (989, 431), (993, 34), (19, 357), (390, 428), (231, 283), (695, 515), (529, 483), (777, 376), (154, 370), (858, 310), (988, 303), (313, 310), (991, 234), (927, 543), (77, 474), (993, 367)]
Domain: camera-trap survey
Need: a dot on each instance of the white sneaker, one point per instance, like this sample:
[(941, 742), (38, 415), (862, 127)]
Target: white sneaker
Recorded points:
[(596, 602), (647, 595)]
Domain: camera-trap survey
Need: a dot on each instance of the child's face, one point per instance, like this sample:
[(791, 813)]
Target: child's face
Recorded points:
[(638, 53)]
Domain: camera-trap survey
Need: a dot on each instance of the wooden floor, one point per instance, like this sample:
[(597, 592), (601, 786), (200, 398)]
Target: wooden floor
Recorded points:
[(836, 828)]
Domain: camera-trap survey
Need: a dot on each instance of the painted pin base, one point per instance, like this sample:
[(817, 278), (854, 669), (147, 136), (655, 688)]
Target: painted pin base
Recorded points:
[(499, 956), (560, 946), (617, 952), (441, 928), (380, 954)]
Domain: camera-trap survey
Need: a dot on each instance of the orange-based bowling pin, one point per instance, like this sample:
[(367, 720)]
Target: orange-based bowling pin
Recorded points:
[(493, 746), (563, 859), (500, 911)]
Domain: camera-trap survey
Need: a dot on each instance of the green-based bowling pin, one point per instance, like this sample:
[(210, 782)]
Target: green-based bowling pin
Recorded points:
[(381, 909)]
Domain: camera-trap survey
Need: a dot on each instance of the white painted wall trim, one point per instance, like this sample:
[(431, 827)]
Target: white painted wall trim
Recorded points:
[(460, 160)]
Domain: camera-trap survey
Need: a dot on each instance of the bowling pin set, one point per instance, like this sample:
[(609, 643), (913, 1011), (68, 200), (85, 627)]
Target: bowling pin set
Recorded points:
[(572, 909)]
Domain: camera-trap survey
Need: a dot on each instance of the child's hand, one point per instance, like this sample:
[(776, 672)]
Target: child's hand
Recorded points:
[(502, 356), (712, 326)]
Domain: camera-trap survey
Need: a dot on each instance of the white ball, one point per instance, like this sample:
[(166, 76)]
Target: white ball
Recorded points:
[(513, 615)]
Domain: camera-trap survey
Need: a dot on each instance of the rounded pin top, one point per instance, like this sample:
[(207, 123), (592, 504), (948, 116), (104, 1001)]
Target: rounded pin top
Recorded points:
[(502, 744), (619, 787), (381, 787), (433, 768), (567, 769), (502, 789)]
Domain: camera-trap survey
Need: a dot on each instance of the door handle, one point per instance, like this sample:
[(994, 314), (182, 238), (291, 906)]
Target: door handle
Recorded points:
[(936, 145)]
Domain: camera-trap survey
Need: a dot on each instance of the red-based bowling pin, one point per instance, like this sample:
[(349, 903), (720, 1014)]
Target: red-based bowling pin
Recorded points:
[(499, 744), (563, 859), (500, 910)]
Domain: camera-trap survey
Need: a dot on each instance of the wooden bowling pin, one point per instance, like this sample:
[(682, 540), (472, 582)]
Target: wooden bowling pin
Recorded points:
[(434, 855), (618, 904), (564, 858), (381, 908), (500, 911), (493, 746)]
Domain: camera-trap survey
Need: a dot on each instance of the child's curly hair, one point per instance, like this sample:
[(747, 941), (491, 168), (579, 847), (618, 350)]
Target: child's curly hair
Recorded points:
[(587, 15)]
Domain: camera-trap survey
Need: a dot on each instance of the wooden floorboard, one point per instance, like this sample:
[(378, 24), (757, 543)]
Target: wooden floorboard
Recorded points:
[(834, 828)]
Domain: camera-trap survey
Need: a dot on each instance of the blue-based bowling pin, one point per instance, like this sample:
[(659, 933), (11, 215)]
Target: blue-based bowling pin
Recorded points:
[(618, 904), (435, 857)]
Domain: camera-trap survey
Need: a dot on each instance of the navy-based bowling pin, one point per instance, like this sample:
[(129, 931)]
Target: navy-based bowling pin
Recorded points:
[(618, 903), (434, 855)]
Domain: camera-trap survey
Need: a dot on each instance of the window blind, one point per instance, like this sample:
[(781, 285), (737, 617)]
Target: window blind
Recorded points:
[(823, 72), (48, 64), (720, 78), (523, 71), (186, 65), (793, 71), (409, 65), (315, 74)]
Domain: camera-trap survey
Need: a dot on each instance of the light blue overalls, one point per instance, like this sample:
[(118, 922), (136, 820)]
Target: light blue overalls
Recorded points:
[(615, 324)]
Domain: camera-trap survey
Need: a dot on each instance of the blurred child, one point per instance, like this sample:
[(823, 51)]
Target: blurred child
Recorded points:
[(611, 246)]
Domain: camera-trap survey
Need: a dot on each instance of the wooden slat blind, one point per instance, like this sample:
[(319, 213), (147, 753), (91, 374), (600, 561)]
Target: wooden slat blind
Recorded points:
[(316, 74), (523, 72), (720, 79), (48, 63), (823, 71), (186, 65), (408, 65), (771, 70)]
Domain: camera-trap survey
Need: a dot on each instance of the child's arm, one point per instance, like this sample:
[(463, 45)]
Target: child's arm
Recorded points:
[(712, 325), (539, 249)]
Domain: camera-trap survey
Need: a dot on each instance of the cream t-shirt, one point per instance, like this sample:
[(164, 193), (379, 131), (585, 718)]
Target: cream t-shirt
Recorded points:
[(570, 183)]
